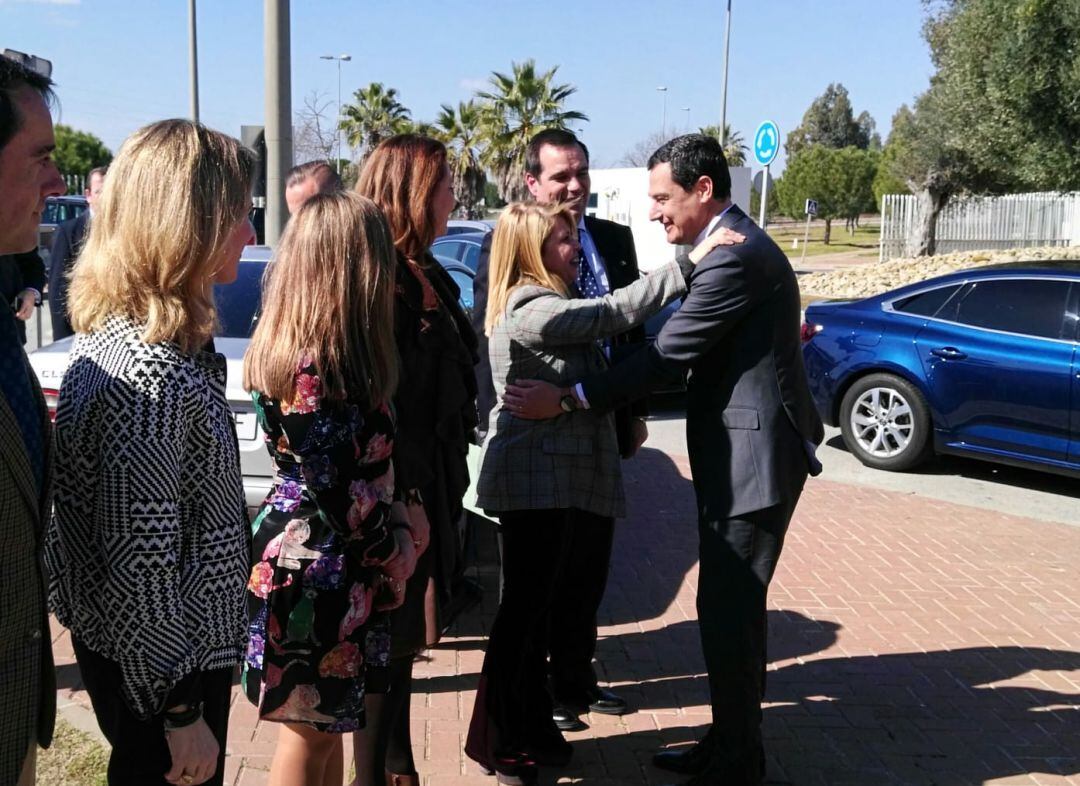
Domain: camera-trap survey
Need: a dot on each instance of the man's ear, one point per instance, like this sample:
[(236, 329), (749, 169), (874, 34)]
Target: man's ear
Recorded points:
[(703, 189), (532, 184)]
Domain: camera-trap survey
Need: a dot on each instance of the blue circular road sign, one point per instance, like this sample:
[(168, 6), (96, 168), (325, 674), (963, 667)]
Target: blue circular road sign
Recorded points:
[(766, 142)]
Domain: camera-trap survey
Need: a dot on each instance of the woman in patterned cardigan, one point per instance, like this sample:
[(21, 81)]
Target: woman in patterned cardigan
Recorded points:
[(332, 545), (148, 547)]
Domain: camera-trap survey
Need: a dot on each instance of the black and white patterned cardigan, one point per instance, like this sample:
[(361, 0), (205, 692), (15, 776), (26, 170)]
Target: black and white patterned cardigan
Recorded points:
[(148, 549)]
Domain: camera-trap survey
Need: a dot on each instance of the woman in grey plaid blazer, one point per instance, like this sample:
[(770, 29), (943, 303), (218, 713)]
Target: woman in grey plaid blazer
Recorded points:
[(542, 478)]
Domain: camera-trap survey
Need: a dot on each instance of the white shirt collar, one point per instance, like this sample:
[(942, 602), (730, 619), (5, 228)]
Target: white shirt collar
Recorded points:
[(712, 224)]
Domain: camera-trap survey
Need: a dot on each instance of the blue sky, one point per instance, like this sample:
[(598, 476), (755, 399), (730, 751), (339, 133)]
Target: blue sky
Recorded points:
[(122, 63)]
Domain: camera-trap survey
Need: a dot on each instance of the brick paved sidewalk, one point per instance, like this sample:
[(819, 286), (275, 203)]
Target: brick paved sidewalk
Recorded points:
[(911, 641)]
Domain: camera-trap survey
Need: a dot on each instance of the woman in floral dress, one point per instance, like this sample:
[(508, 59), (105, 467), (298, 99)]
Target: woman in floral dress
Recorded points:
[(332, 548)]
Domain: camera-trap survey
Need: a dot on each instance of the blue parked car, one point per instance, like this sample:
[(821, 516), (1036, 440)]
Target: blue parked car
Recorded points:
[(983, 363)]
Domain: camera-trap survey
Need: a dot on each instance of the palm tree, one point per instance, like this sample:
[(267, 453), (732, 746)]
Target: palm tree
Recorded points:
[(519, 105), (374, 115), (461, 130), (735, 149)]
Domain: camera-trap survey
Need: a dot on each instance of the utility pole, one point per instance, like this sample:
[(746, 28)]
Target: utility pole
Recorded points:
[(193, 61), (279, 143), (723, 88)]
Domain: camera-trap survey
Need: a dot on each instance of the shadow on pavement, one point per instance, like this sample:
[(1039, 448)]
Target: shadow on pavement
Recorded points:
[(941, 718)]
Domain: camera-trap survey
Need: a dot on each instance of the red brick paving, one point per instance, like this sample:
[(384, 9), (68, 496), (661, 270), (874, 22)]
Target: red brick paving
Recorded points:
[(911, 641)]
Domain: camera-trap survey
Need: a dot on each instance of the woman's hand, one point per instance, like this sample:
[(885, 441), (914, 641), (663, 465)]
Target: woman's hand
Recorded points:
[(402, 564), (194, 751), (721, 237), (390, 595), (533, 399), (421, 527)]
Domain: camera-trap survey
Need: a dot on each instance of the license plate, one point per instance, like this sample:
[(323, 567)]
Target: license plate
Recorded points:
[(247, 426)]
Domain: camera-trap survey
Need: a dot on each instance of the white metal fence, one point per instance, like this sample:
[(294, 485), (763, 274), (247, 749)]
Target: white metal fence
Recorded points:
[(975, 223)]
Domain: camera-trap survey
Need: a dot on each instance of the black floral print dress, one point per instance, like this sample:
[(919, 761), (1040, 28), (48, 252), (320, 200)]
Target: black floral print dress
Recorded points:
[(318, 542)]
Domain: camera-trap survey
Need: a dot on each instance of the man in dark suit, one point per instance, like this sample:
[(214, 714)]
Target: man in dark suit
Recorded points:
[(27, 679), (751, 431), (65, 250), (557, 170), (22, 280)]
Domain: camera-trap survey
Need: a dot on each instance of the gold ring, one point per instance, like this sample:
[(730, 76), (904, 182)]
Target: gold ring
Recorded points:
[(187, 778)]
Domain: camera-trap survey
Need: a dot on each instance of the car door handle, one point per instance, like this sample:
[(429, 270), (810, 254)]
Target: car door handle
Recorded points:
[(948, 353)]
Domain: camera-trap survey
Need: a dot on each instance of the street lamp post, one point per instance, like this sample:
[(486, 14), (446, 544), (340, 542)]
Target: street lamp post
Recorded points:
[(687, 110), (337, 125), (723, 93), (663, 115), (193, 62)]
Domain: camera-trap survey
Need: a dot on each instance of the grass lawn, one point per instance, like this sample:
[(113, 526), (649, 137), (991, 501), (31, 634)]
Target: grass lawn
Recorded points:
[(864, 241), (74, 759)]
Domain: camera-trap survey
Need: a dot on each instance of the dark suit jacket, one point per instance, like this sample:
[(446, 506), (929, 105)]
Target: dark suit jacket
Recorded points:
[(17, 273), (749, 412), (615, 243), (65, 249), (24, 624)]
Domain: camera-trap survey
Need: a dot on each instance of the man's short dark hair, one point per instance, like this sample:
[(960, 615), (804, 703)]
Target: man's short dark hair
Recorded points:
[(693, 156), (301, 172), (98, 170), (13, 76), (556, 137)]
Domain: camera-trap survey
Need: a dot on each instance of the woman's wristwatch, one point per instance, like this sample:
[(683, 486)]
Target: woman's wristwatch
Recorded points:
[(178, 719)]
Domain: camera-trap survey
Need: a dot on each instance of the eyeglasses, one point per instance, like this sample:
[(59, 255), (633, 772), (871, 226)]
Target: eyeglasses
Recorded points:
[(38, 65)]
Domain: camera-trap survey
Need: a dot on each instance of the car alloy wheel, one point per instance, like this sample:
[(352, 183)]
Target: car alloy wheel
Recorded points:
[(885, 422), (881, 422)]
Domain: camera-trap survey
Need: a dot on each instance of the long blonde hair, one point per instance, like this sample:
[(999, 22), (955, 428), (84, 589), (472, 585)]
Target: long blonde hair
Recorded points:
[(328, 296), (516, 254), (172, 196)]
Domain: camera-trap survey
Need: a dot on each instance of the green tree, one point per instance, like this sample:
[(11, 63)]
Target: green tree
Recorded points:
[(374, 115), (841, 180), (735, 147), (461, 129), (77, 152), (1002, 112), (830, 122), (518, 105), (885, 179)]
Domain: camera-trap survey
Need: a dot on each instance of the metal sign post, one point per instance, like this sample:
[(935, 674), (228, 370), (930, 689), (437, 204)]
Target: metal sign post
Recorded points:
[(811, 211), (766, 146)]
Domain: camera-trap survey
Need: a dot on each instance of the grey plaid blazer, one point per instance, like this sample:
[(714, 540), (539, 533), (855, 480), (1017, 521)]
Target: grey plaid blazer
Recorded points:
[(571, 461), (27, 680)]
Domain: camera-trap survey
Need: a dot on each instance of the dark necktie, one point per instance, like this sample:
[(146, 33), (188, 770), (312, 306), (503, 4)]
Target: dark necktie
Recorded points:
[(587, 284), (16, 389)]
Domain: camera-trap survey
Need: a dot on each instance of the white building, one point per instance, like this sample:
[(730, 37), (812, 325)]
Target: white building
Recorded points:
[(622, 195)]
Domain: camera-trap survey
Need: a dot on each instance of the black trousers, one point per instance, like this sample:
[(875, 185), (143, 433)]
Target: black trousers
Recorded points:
[(513, 709), (140, 754), (574, 606), (738, 557)]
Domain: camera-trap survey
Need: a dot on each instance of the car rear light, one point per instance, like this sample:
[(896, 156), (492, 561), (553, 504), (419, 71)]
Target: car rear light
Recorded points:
[(809, 330), (52, 396)]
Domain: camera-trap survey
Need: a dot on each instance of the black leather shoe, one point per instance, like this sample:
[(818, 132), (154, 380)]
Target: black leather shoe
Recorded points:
[(717, 773), (607, 703), (687, 761), (566, 719)]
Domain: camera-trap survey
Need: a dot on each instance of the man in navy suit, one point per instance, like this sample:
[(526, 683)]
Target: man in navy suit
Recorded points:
[(751, 430), (65, 250)]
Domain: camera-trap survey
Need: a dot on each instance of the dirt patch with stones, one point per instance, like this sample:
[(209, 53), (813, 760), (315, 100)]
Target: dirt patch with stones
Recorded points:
[(876, 277)]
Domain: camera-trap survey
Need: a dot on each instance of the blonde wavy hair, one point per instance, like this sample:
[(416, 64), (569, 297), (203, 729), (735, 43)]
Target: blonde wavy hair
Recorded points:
[(517, 256), (173, 194), (328, 298)]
